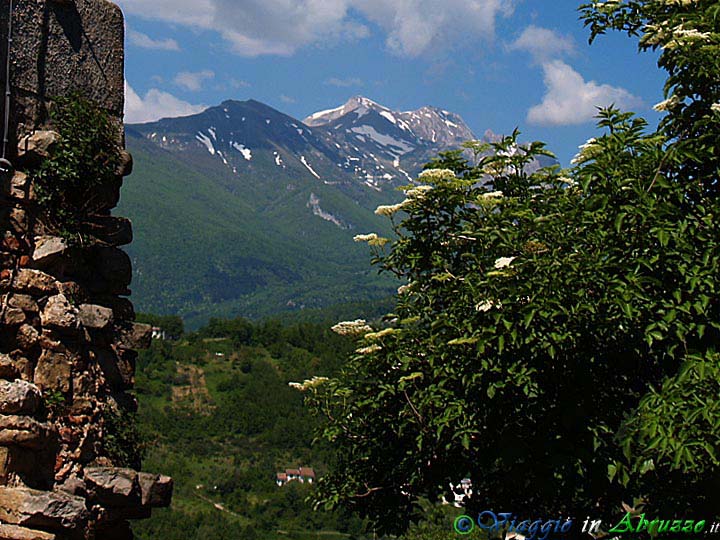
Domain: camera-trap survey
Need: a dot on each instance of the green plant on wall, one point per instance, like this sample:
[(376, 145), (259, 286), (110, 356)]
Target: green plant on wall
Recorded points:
[(122, 442), (85, 157)]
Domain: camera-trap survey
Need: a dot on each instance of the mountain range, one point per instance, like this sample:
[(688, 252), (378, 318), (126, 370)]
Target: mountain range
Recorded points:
[(242, 210)]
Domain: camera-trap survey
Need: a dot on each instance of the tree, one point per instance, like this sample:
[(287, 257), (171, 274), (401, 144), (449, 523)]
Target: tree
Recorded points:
[(556, 338)]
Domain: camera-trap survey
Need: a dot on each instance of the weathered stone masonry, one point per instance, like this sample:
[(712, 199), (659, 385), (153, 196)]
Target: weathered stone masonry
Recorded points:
[(67, 336)]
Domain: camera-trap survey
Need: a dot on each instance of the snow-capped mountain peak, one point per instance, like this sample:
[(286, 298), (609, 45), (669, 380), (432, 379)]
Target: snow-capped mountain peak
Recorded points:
[(386, 146), (361, 140), (430, 124), (357, 104)]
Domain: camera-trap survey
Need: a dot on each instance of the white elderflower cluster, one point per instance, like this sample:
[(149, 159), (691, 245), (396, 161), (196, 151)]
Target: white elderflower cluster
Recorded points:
[(691, 34), (484, 307), (365, 237), (417, 192), (404, 289), (493, 195), (369, 350), (681, 36), (667, 104), (437, 174), (496, 168), (352, 328), (372, 239), (391, 209), (308, 383), (679, 2), (380, 334), (587, 151), (715, 107), (567, 180), (503, 262)]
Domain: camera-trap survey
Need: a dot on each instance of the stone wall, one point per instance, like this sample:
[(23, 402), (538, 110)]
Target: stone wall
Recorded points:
[(67, 336)]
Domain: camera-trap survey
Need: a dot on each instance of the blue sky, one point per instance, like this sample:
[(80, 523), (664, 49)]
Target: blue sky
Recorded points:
[(500, 64)]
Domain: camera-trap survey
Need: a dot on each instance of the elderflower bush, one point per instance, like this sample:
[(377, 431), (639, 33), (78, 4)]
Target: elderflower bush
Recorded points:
[(559, 343)]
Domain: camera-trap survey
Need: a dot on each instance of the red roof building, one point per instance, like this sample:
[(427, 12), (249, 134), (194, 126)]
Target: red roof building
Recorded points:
[(302, 475), (307, 472)]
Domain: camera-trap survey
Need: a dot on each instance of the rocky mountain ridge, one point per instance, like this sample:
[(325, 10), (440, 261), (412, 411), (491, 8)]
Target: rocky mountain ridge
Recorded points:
[(361, 141)]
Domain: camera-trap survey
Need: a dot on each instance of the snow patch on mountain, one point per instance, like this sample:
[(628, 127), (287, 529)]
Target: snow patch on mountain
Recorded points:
[(246, 152), (383, 140), (205, 140), (324, 115), (309, 168)]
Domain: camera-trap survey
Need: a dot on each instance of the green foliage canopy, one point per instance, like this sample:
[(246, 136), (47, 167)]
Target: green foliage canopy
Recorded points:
[(557, 337)]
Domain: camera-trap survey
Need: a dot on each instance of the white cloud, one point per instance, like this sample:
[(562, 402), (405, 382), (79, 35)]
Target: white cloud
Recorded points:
[(280, 27), (193, 80), (415, 27), (344, 83), (570, 100), (239, 83), (146, 42), (197, 13), (155, 105), (287, 99), (543, 44)]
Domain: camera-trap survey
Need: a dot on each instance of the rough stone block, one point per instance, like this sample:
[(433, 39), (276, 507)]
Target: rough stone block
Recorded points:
[(54, 372), (13, 532), (43, 509), (66, 47), (36, 147), (156, 489), (109, 230), (126, 164), (24, 365), (59, 313), (18, 463), (17, 220), (113, 266), (8, 369), (25, 432), (135, 336), (27, 337), (113, 487), (25, 302), (73, 291), (19, 397), (47, 249), (119, 370), (94, 316), (123, 309), (16, 186), (34, 282), (13, 316)]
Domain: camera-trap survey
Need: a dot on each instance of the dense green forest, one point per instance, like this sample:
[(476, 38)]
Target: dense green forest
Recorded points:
[(217, 414)]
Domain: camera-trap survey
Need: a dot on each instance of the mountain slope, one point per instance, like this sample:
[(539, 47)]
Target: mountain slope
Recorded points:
[(224, 227), (242, 210)]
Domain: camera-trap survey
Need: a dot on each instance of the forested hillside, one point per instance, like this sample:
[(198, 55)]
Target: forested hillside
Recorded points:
[(218, 415)]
